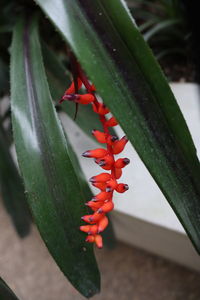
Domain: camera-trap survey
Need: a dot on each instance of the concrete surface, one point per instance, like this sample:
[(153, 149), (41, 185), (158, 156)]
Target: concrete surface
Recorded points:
[(127, 273)]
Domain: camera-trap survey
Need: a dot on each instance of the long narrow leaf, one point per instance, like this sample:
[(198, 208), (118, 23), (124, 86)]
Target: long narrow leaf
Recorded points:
[(53, 189), (111, 50), (161, 26)]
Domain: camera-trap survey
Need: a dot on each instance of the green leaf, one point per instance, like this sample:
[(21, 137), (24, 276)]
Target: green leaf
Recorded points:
[(110, 48), (12, 189), (59, 80), (5, 292), (57, 75), (159, 27), (53, 189)]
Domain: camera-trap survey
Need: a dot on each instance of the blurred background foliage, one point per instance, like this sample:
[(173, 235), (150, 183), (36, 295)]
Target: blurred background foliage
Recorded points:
[(164, 26)]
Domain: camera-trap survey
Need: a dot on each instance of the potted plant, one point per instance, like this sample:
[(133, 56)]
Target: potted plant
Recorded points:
[(108, 58)]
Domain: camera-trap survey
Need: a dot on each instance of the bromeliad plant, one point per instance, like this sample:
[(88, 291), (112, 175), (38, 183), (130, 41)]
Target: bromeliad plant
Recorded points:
[(107, 44)]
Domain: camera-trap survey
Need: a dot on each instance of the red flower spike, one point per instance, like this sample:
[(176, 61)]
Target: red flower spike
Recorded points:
[(105, 182), (118, 146), (96, 153), (103, 177), (122, 187), (98, 240), (100, 136), (102, 196), (102, 224), (111, 122), (122, 162), (108, 206)]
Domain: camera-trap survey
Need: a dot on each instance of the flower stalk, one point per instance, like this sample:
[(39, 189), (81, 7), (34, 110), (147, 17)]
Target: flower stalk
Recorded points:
[(106, 182)]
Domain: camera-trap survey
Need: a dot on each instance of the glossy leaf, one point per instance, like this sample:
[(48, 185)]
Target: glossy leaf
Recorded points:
[(5, 292), (110, 48), (53, 189), (12, 189)]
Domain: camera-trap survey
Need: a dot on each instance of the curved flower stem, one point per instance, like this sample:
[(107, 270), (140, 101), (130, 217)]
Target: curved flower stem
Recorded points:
[(105, 182)]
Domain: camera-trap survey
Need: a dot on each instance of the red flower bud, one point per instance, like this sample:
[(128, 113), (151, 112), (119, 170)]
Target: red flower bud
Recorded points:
[(86, 99), (85, 228), (94, 205), (102, 224), (96, 216), (103, 177), (92, 88), (111, 139), (96, 153), (100, 136), (93, 229), (100, 109), (90, 229), (71, 89), (108, 206), (111, 185), (118, 146), (106, 160), (98, 240), (118, 173), (111, 122), (81, 99), (88, 219), (122, 162), (90, 239), (122, 187), (102, 196), (99, 185)]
